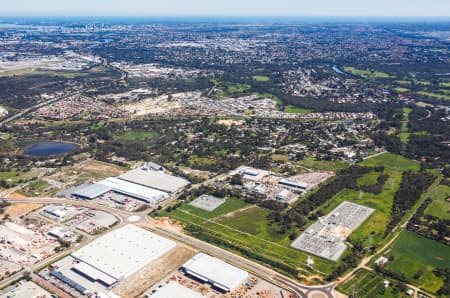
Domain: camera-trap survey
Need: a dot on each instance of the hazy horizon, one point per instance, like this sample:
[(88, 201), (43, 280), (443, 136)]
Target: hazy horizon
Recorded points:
[(227, 8)]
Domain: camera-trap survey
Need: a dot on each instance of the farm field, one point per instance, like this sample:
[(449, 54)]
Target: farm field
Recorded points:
[(367, 284), (416, 257), (440, 207)]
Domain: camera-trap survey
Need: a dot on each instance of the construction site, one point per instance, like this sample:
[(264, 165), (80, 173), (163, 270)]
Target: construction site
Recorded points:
[(277, 187)]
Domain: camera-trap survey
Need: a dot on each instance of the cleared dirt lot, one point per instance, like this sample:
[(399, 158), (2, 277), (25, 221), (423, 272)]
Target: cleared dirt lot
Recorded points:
[(19, 209), (136, 284)]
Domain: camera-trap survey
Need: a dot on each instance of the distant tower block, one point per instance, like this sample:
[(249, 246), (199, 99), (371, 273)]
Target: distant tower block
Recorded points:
[(310, 261)]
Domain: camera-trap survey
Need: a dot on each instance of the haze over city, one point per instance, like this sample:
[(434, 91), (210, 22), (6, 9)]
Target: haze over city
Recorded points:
[(225, 149), (405, 8)]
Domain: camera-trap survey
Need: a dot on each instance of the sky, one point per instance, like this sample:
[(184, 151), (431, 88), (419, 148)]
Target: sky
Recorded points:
[(402, 8)]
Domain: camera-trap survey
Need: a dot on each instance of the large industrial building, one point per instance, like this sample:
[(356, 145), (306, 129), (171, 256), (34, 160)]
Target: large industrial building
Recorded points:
[(174, 290), (155, 179), (120, 253), (216, 272), (147, 184), (111, 258)]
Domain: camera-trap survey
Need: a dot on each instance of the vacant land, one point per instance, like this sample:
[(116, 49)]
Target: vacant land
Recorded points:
[(440, 207), (102, 168), (416, 257), (367, 284), (19, 209), (140, 281)]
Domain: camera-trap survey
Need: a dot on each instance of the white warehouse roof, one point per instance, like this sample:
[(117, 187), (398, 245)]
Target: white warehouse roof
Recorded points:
[(215, 271), (173, 289), (155, 179), (137, 191), (124, 251)]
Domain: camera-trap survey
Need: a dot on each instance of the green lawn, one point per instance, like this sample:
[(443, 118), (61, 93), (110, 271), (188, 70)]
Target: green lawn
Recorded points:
[(367, 284), (261, 78), (440, 207), (137, 135), (367, 73), (412, 254), (296, 110)]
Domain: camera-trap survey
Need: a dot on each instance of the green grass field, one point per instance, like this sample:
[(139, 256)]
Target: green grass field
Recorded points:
[(261, 78), (404, 134), (440, 207), (37, 187), (237, 88), (14, 177), (367, 73), (137, 135), (367, 284), (412, 254), (369, 178), (434, 95), (296, 110), (328, 165), (245, 226)]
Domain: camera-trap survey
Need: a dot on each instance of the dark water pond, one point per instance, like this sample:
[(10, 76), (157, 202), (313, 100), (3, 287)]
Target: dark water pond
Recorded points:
[(49, 148)]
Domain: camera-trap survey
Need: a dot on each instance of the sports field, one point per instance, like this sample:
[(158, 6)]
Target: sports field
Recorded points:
[(416, 257)]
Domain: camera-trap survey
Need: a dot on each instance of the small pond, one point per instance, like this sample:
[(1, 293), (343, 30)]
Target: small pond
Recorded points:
[(49, 148)]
